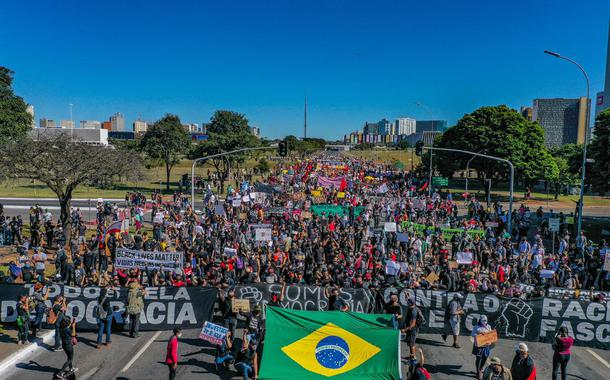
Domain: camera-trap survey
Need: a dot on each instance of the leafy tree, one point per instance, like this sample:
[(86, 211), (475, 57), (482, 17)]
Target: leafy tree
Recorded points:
[(306, 145), (403, 144), (227, 131), (600, 153), (166, 141), (63, 164), (497, 131), (568, 159), (14, 119), (263, 165), (364, 146)]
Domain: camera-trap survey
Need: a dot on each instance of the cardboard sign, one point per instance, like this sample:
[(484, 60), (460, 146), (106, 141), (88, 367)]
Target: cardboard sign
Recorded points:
[(432, 277), (213, 333), (487, 338), (464, 258), (243, 216), (316, 193), (453, 264), (243, 305), (389, 227), (306, 215)]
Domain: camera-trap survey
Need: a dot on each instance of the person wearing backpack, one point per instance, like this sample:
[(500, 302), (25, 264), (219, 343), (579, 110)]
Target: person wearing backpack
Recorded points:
[(417, 371), (414, 319), (135, 305), (104, 317)]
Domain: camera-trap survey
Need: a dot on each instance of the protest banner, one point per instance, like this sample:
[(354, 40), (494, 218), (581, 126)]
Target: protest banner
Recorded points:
[(131, 258), (464, 258), (240, 305), (327, 182), (546, 273), (486, 339), (164, 307), (263, 234), (230, 251), (236, 202), (389, 227), (418, 204), (213, 333)]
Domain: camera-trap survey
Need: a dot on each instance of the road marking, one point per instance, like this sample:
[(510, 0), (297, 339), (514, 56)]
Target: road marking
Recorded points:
[(26, 351), (133, 360), (90, 373), (596, 356)]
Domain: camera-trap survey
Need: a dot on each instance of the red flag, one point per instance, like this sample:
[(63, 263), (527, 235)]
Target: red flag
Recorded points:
[(343, 185), (424, 187)]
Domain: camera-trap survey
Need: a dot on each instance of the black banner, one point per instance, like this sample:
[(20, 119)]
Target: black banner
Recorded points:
[(164, 307), (304, 297), (530, 320)]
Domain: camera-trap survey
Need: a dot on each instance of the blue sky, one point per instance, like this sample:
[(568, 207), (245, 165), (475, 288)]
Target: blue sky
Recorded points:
[(355, 60)]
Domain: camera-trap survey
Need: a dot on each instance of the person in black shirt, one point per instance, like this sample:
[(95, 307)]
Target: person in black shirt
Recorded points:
[(23, 319), (247, 361), (394, 309)]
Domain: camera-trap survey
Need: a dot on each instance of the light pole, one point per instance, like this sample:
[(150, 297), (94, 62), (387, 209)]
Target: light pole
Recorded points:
[(584, 151), (468, 172), (427, 109)]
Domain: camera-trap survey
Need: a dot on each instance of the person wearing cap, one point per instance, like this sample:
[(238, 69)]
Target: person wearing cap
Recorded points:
[(523, 367), (481, 353), (496, 371)]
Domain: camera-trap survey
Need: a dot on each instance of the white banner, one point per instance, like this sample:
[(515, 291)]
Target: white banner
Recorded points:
[(130, 258), (262, 234), (389, 227), (464, 258)]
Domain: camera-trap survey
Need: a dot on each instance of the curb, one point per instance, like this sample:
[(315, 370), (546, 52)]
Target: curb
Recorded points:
[(12, 359)]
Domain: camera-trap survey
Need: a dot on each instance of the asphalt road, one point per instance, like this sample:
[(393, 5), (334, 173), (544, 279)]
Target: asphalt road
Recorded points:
[(142, 358)]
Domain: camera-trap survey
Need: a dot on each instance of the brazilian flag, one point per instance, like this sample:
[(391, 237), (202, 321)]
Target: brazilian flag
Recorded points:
[(329, 344)]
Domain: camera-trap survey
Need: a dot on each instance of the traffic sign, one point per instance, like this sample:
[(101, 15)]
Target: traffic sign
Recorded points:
[(554, 224), (440, 181)]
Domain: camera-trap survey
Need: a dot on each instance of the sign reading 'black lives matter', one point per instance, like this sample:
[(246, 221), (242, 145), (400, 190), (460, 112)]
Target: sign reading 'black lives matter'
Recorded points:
[(131, 258), (164, 307)]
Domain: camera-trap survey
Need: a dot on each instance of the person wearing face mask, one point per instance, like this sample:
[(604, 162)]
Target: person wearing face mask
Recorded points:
[(523, 367), (496, 371), (483, 352), (171, 357)]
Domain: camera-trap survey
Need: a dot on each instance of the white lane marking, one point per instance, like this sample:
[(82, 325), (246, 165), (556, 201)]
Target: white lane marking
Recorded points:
[(133, 360), (596, 356), (25, 352), (90, 373)]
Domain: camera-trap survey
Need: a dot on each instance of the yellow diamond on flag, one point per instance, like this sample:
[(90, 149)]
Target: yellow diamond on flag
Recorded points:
[(330, 351)]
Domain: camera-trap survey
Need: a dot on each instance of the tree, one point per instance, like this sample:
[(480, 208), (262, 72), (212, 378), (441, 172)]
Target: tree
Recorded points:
[(15, 121), (497, 131), (63, 165), (568, 159), (599, 151), (166, 141), (403, 145), (227, 131), (263, 166)]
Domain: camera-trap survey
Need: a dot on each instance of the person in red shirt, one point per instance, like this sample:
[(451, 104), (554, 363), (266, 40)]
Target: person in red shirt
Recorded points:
[(171, 358)]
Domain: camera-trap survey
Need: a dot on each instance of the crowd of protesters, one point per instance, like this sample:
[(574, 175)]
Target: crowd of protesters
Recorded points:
[(346, 246)]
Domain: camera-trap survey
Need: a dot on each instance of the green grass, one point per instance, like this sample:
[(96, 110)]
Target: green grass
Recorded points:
[(387, 156)]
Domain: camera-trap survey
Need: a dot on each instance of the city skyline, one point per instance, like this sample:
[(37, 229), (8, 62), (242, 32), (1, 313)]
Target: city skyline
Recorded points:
[(350, 69)]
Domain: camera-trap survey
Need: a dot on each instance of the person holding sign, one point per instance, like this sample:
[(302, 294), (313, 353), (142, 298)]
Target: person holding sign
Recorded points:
[(481, 352)]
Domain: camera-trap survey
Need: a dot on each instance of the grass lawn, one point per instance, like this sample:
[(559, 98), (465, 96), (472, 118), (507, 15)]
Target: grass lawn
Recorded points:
[(387, 156), (155, 179)]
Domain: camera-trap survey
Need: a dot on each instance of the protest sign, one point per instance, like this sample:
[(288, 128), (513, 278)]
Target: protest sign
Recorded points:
[(453, 264), (486, 339), (464, 258), (236, 202), (341, 194), (491, 224), (316, 193), (245, 198), (545, 273), (554, 224), (392, 268), (243, 216), (432, 277), (240, 304), (305, 215), (213, 333), (402, 237), (230, 251), (131, 258), (389, 227), (262, 234), (219, 210)]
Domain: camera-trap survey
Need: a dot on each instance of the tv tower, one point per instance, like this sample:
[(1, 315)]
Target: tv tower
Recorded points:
[(305, 125)]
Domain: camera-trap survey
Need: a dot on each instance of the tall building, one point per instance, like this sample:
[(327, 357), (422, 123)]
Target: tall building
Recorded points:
[(526, 112), (256, 131), (603, 97), (430, 126), (107, 125), (563, 120), (405, 126), (191, 127), (47, 123), (90, 124), (30, 110), (385, 127), (118, 122), (140, 126), (66, 124)]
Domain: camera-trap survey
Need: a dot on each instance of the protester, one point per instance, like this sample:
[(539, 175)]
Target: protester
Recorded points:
[(246, 363), (104, 317), (480, 352), (224, 356), (171, 357), (68, 341), (413, 320), (55, 316), (496, 371), (134, 308), (23, 319), (561, 352), (454, 314), (523, 367)]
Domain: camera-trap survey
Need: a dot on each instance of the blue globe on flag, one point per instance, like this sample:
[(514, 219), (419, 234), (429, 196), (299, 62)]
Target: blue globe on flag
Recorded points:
[(332, 352)]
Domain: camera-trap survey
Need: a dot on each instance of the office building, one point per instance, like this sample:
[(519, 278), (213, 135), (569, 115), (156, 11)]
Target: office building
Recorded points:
[(255, 131), (191, 128), (405, 126), (385, 127), (526, 112), (30, 110), (118, 122), (602, 100), (66, 124), (107, 125), (90, 124), (47, 123), (87, 136), (430, 125), (563, 120), (140, 126)]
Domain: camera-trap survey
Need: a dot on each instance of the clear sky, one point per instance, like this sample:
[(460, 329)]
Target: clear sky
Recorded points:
[(355, 60)]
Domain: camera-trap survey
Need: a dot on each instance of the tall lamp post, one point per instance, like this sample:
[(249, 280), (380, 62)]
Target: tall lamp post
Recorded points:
[(584, 151)]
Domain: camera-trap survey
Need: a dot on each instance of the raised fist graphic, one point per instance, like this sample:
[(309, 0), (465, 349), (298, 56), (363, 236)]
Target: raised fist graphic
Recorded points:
[(515, 318), (250, 293)]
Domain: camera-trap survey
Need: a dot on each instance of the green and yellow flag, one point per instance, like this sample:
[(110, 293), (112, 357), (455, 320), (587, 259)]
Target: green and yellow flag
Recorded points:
[(329, 344)]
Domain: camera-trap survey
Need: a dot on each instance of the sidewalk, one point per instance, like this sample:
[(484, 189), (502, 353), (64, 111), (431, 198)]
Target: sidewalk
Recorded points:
[(12, 353)]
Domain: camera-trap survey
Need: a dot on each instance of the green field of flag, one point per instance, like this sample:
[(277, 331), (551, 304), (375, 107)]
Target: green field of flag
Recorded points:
[(329, 344)]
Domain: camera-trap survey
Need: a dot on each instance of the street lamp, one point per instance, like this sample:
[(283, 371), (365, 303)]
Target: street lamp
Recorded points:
[(584, 151)]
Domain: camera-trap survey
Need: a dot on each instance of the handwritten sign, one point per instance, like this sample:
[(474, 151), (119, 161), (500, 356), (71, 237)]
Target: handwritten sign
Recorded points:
[(487, 338), (453, 264), (389, 227), (464, 258), (213, 333), (243, 305), (432, 277)]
